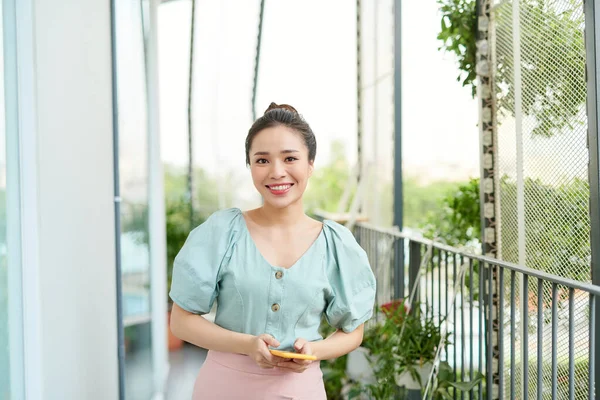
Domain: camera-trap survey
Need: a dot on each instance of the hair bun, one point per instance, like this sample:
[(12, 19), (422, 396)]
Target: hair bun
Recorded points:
[(274, 106)]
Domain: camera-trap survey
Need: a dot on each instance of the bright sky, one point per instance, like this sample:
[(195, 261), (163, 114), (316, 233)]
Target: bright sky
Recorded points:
[(308, 59)]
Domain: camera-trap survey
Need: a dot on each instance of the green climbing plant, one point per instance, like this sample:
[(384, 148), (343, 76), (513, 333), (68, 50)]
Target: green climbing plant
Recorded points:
[(458, 34), (555, 91), (456, 220), (556, 217)]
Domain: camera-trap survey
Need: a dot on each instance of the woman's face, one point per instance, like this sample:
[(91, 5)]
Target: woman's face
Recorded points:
[(280, 166)]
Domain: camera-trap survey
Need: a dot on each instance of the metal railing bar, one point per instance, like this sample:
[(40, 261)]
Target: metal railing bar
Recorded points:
[(426, 291), (540, 338), (432, 277), (439, 285), (571, 344), (554, 338), (592, 359), (488, 260), (471, 276), (454, 278), (481, 330), (371, 238), (444, 328), (463, 357), (501, 333), (525, 338), (490, 328), (513, 317), (446, 298)]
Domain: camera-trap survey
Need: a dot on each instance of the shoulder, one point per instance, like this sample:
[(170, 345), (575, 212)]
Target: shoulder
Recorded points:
[(349, 272), (339, 236), (221, 226), (225, 216), (342, 246), (337, 230), (222, 219)]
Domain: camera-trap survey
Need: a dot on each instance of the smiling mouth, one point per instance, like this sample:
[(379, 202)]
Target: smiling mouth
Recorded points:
[(280, 188)]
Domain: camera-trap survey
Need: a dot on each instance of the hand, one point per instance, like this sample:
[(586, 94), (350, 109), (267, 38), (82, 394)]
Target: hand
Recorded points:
[(303, 347), (259, 351)]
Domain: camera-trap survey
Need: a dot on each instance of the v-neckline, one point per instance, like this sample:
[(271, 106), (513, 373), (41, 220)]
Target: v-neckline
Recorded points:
[(305, 253)]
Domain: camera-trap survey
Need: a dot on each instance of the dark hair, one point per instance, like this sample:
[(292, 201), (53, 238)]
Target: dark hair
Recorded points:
[(283, 115)]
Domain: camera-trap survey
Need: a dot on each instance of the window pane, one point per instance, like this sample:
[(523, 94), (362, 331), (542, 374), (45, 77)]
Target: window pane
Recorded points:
[(133, 175), (11, 331)]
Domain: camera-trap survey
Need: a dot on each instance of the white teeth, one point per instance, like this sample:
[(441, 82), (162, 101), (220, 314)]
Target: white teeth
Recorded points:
[(280, 187)]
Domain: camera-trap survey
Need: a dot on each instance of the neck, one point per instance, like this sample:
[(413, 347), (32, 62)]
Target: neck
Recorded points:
[(289, 215)]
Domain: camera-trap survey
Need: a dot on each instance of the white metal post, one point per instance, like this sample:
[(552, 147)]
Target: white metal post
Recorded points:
[(20, 91), (156, 214), (518, 104)]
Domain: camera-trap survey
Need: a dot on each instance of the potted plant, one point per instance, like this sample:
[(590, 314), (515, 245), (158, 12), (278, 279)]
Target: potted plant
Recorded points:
[(400, 351), (446, 386), (417, 347), (129, 337), (372, 367), (360, 366)]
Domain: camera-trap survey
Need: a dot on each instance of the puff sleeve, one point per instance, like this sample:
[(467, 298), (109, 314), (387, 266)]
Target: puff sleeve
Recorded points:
[(352, 281), (196, 269)]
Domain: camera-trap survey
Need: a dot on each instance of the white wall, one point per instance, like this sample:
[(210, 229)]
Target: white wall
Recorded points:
[(72, 50)]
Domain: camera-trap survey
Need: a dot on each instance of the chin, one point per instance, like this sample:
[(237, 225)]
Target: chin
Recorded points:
[(280, 202)]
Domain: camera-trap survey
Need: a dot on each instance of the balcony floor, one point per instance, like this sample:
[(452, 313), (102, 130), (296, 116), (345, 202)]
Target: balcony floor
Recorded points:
[(185, 364)]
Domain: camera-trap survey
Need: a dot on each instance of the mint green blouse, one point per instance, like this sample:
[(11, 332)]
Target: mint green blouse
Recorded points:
[(219, 261)]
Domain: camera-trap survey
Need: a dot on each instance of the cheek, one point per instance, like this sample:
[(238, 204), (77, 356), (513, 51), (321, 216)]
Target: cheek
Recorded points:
[(301, 173), (257, 174)]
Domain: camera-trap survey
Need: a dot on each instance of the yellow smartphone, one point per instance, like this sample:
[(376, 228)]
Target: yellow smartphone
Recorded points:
[(287, 354)]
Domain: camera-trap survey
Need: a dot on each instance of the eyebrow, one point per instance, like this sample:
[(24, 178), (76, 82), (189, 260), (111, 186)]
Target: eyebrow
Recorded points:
[(266, 153)]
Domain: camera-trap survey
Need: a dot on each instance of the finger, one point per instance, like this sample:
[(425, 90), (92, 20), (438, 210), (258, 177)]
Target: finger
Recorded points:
[(299, 344), (270, 340), (271, 359), (303, 347), (306, 349), (292, 366), (302, 362), (263, 360), (262, 364)]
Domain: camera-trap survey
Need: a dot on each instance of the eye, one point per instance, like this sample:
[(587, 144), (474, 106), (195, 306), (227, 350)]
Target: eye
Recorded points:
[(291, 159), (261, 161)]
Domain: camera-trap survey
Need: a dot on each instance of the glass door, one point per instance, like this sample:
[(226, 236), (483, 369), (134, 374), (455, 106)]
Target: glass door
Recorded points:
[(133, 177)]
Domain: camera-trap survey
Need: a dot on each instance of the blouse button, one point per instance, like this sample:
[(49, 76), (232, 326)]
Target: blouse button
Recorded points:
[(278, 275), (275, 307)]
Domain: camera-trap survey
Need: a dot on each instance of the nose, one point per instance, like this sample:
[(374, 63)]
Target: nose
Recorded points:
[(277, 170)]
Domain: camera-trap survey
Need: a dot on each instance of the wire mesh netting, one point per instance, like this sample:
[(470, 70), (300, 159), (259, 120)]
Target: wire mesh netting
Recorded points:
[(542, 179)]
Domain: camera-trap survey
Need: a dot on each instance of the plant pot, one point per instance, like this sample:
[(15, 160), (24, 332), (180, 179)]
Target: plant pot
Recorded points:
[(406, 380), (127, 343), (174, 342), (358, 367)]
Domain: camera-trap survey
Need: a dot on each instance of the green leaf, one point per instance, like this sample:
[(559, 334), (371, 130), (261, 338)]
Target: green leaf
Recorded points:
[(355, 391), (445, 372), (467, 386), (444, 394)]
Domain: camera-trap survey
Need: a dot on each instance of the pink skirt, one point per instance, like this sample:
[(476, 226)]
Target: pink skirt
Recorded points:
[(227, 376)]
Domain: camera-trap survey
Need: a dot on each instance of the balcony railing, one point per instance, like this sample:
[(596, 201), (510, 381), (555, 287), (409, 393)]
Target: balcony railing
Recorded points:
[(529, 333)]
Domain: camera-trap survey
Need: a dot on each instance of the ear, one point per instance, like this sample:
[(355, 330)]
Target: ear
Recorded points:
[(311, 168)]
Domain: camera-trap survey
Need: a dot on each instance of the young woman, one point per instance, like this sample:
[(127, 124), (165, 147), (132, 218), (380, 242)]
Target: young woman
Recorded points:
[(274, 272)]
